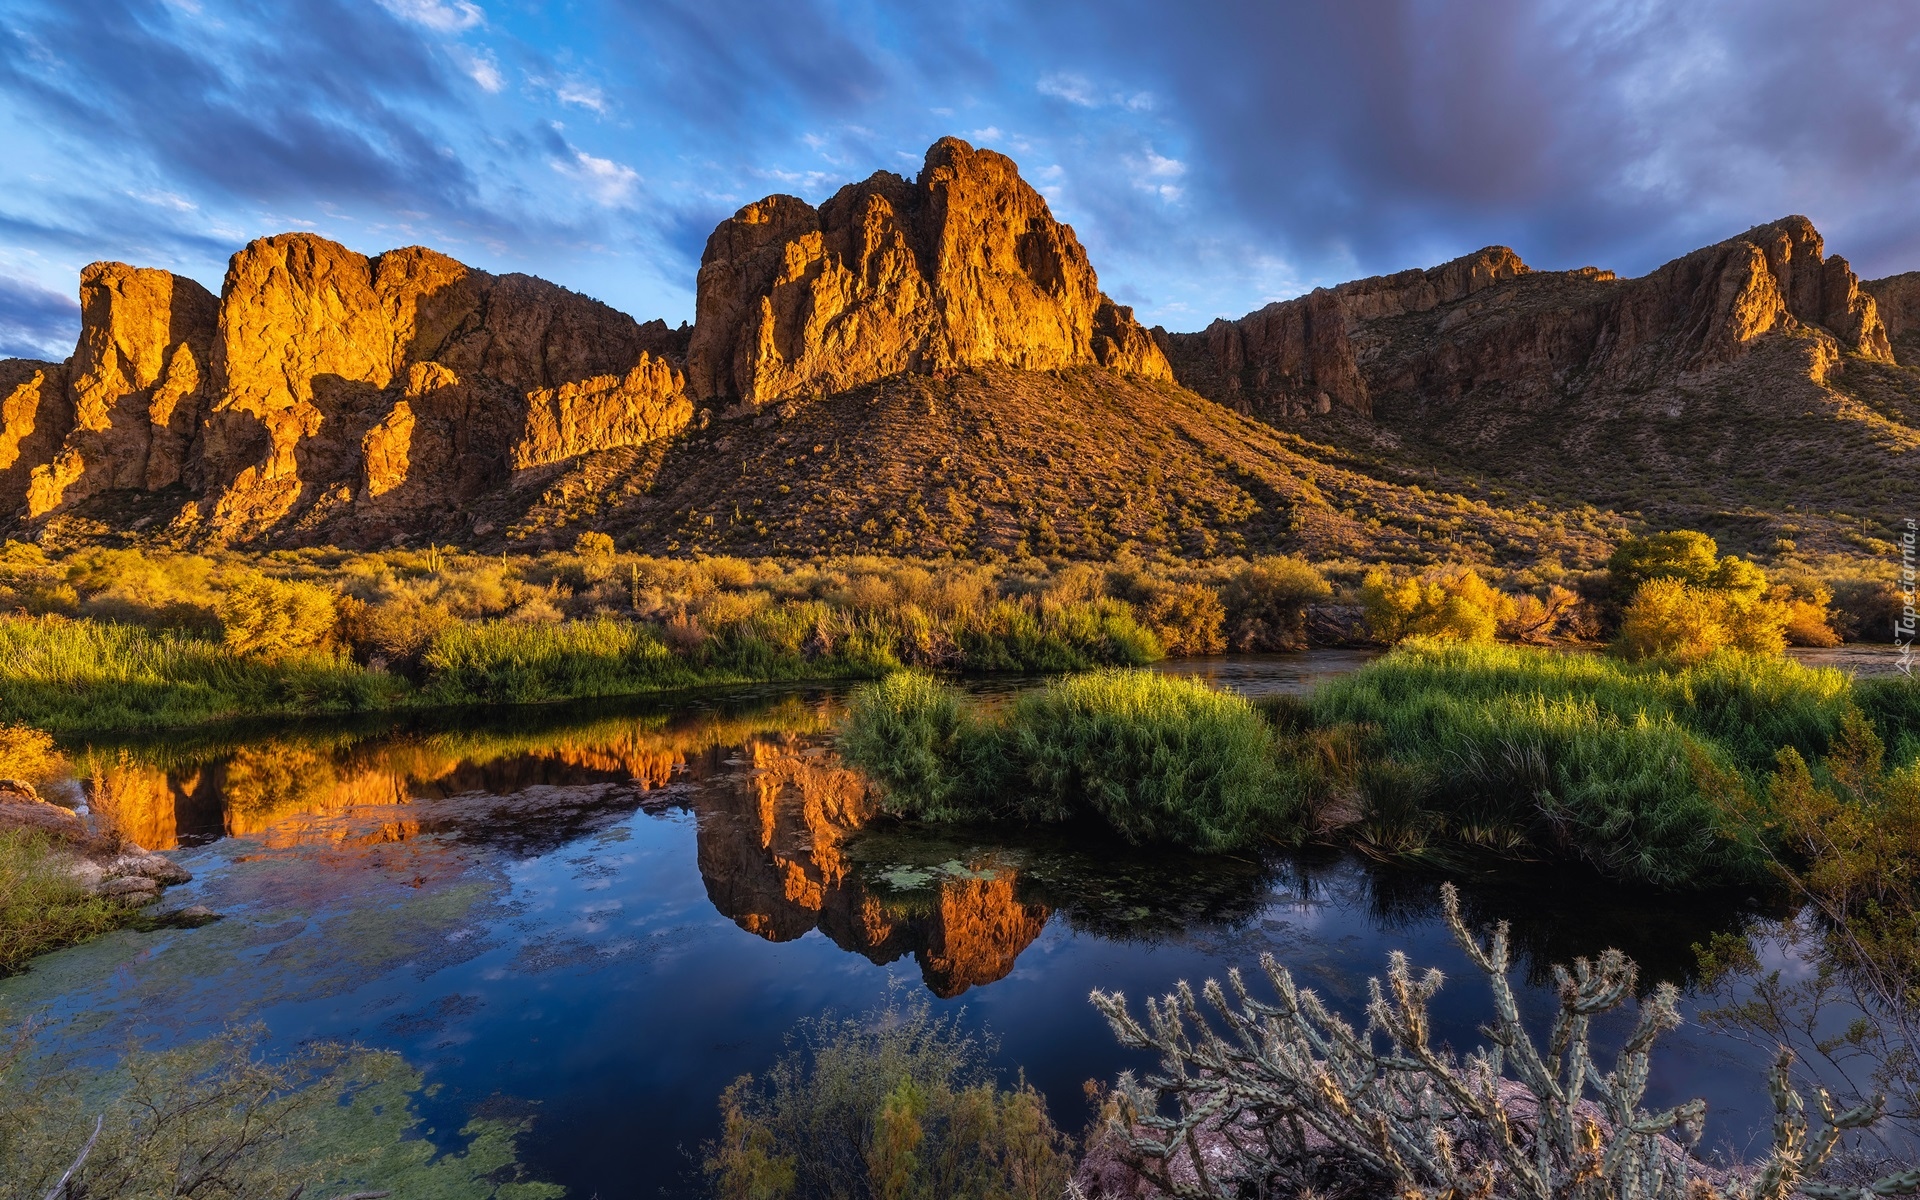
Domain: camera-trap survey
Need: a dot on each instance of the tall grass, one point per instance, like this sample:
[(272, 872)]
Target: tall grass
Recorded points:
[(1154, 758), (63, 674), (1582, 756)]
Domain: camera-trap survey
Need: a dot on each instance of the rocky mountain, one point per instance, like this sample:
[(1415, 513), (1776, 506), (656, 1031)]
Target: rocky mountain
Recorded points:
[(1745, 380), (930, 366)]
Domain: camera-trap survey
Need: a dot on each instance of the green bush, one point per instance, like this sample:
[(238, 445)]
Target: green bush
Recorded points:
[(893, 1106), (1155, 758), (919, 739), (1583, 756)]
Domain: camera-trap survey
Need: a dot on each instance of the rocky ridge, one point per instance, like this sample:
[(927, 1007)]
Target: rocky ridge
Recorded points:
[(930, 366)]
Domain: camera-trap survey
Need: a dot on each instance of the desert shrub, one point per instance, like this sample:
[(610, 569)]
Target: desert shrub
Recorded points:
[(396, 633), (42, 906), (1186, 618), (1865, 609), (173, 590), (1282, 1097), (593, 545), (1266, 602), (1448, 602), (1528, 617), (894, 1105), (1681, 623), (1683, 555), (273, 618), (1809, 609), (1159, 759), (30, 754)]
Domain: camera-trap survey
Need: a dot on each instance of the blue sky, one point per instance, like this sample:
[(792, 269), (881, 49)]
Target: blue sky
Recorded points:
[(1213, 154)]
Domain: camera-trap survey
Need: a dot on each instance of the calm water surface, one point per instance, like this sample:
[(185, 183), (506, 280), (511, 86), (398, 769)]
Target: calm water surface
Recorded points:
[(609, 913)]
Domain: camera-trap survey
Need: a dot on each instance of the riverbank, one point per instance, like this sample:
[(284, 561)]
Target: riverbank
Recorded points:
[(1648, 773)]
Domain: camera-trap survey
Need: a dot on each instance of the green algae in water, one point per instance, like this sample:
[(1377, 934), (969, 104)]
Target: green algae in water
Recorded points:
[(329, 1119)]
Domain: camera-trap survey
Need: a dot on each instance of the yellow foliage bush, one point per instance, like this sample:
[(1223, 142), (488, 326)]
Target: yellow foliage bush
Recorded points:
[(273, 618), (1673, 620), (1448, 603), (28, 754)]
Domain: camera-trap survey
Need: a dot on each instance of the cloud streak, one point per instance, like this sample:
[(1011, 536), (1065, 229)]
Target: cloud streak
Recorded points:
[(1212, 156)]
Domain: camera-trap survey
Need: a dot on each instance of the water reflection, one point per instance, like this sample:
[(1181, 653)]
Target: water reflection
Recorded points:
[(789, 839)]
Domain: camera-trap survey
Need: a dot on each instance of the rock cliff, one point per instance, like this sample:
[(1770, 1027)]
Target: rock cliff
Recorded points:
[(1898, 299), (1489, 320), (963, 266), (326, 395)]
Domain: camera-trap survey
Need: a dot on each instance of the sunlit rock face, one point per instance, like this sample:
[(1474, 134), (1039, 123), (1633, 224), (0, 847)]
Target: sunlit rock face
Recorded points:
[(326, 395), (1488, 322), (963, 265)]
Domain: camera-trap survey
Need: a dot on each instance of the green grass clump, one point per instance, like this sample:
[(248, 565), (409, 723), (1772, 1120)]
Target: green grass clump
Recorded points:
[(42, 906), (1009, 636), (1582, 756), (1159, 759), (922, 742), (1155, 758)]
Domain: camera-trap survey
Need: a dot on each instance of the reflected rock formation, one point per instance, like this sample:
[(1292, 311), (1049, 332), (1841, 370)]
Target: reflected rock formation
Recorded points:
[(771, 853)]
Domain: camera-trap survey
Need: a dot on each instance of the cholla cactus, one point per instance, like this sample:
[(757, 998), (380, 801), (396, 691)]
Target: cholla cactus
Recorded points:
[(1287, 1093)]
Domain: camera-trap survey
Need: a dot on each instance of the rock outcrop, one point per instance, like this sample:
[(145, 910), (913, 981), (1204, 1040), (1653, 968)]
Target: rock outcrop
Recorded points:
[(326, 395), (1898, 299), (137, 386), (962, 266), (1489, 320), (36, 414)]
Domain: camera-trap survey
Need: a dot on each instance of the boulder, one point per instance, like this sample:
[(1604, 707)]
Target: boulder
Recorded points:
[(22, 808)]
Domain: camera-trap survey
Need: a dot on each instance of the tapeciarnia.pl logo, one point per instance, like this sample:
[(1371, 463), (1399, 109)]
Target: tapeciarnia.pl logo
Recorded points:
[(1903, 625)]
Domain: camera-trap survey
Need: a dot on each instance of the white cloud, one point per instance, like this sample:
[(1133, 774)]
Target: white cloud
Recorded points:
[(582, 95), (610, 183), (1157, 174), (484, 70), (173, 200), (441, 16), (1074, 89), (990, 134)]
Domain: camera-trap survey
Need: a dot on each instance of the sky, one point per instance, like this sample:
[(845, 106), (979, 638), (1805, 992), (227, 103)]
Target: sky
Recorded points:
[(1213, 155)]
